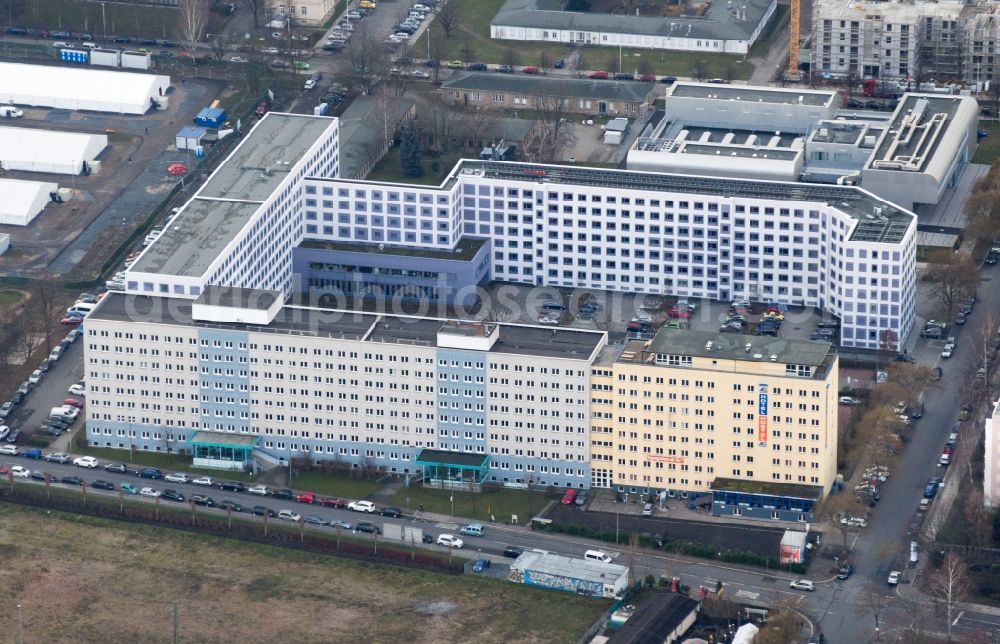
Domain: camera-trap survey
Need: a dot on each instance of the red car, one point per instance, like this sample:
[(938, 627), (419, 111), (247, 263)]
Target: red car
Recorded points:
[(73, 321), (333, 502), (306, 497), (569, 497), (679, 314), (4, 470), (530, 70), (598, 75), (648, 78), (74, 402), (263, 109)]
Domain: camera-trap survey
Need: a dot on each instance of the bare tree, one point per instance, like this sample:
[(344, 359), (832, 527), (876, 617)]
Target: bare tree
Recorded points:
[(45, 294), (544, 62), (551, 134), (645, 67), (613, 65), (27, 338), (950, 584), (368, 63), (387, 103), (840, 506), (953, 277), (500, 305), (510, 57), (699, 70), (579, 64), (192, 19), (978, 522), (912, 377), (876, 605), (437, 129), (982, 209), (256, 8), (222, 44), (449, 18), (468, 53)]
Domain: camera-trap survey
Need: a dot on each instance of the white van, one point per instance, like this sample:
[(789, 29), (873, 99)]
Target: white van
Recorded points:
[(597, 555), (10, 112), (113, 285), (944, 460), (67, 412)]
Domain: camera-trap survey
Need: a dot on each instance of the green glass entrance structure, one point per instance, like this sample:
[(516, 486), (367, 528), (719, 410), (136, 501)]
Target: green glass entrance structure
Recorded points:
[(453, 470), (222, 451)]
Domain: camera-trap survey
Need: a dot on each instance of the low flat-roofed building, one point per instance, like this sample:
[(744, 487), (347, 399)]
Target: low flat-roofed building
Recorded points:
[(756, 410), (924, 150), (662, 619), (579, 576), (22, 201), (705, 27), (532, 92)]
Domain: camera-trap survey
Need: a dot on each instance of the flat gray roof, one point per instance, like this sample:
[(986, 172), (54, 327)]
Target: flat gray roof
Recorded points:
[(358, 139), (728, 346), (243, 298), (560, 86), (263, 159), (550, 564), (909, 144), (542, 341), (290, 320), (464, 250), (750, 152), (719, 21), (888, 227), (195, 237), (353, 325), (749, 94), (404, 330)]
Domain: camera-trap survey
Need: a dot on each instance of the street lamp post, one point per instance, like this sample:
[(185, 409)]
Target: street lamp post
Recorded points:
[(20, 625), (104, 21)]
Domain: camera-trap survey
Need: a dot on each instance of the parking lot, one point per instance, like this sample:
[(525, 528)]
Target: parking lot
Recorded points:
[(538, 304)]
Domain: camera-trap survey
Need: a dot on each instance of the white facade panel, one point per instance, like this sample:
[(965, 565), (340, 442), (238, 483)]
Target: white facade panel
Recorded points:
[(72, 88), (34, 150), (22, 201)]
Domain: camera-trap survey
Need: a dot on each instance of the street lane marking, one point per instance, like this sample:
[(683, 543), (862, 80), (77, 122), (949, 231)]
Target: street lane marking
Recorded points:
[(746, 594), (958, 617)]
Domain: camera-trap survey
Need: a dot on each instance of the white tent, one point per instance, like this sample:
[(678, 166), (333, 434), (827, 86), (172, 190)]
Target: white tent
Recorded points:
[(22, 201), (35, 150), (80, 88)]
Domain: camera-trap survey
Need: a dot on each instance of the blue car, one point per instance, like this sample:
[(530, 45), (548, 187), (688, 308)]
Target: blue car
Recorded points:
[(150, 473), (481, 565), (34, 453)]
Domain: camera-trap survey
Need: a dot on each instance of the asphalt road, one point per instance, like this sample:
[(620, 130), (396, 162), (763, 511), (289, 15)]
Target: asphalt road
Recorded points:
[(884, 545)]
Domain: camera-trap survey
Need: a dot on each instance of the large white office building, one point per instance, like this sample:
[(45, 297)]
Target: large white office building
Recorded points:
[(838, 248)]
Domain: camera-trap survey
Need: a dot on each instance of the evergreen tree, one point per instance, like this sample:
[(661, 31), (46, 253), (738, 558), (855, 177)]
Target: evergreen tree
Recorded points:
[(409, 154)]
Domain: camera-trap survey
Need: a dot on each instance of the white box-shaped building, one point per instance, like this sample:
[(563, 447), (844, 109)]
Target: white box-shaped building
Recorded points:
[(34, 150), (80, 88), (22, 201)]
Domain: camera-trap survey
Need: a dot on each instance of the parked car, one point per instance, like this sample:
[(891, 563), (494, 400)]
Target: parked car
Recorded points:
[(172, 495), (512, 552), (57, 457), (116, 467), (260, 510), (333, 502), (20, 472), (86, 461), (450, 541), (101, 484), (288, 515), (128, 488), (227, 504), (72, 480), (149, 473), (367, 527), (895, 577), (312, 519), (205, 481), (203, 500), (390, 511), (306, 497), (361, 506), (232, 486), (284, 493), (481, 565), (259, 490), (177, 477)]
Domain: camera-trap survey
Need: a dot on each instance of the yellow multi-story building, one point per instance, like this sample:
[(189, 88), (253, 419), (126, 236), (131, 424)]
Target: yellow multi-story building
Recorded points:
[(750, 419)]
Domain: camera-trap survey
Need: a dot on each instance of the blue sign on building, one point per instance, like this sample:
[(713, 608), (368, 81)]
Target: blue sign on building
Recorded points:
[(73, 55)]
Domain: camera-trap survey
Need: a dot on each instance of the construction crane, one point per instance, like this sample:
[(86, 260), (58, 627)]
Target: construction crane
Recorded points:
[(793, 41)]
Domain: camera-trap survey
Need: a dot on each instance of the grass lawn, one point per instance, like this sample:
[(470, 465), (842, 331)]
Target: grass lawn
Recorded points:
[(989, 148), (9, 297), (473, 34), (119, 18), (334, 485), (501, 504), (70, 578), (388, 169)]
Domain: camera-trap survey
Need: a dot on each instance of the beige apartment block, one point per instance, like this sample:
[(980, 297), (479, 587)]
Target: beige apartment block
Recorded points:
[(689, 409)]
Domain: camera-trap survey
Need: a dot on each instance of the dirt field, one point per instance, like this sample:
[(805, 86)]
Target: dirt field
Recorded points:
[(83, 580)]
